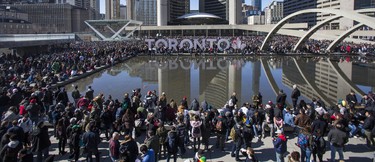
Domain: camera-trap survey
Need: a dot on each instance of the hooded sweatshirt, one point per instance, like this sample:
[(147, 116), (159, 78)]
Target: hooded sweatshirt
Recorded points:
[(280, 144), (10, 151)]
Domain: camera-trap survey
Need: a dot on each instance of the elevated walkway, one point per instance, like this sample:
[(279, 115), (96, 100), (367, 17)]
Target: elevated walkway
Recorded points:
[(27, 40)]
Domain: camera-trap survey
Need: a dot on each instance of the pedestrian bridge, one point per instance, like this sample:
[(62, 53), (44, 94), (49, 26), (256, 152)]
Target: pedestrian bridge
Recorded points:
[(27, 40)]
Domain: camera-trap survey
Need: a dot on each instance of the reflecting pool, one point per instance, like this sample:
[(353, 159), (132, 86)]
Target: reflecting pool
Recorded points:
[(215, 78)]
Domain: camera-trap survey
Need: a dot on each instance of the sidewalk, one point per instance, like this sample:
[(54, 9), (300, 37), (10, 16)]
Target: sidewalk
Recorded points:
[(356, 151)]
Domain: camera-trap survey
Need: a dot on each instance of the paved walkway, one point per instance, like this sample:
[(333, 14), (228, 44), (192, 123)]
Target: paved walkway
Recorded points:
[(356, 151)]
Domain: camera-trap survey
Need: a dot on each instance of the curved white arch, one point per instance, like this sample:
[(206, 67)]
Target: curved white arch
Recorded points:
[(343, 36), (354, 15), (309, 33)]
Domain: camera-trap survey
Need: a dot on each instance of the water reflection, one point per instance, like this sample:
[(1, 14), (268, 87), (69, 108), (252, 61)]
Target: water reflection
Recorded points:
[(215, 78)]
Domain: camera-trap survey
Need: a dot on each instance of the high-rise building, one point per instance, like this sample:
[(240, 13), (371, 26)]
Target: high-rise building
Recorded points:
[(177, 8), (216, 7), (62, 18), (130, 9), (257, 4), (162, 12), (350, 5), (274, 12), (291, 6), (112, 9), (146, 12), (123, 12), (235, 12)]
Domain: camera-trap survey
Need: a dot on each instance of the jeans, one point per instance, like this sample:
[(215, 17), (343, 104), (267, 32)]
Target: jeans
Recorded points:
[(220, 140), (40, 154), (279, 157), (89, 155), (271, 129), (305, 154), (238, 145), (333, 152), (369, 138), (181, 146), (256, 130), (174, 156), (353, 129)]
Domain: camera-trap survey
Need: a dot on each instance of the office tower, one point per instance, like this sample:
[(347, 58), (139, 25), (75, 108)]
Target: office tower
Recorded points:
[(235, 12), (215, 7), (146, 12), (112, 9), (274, 12), (291, 6), (343, 23), (123, 12), (177, 8), (257, 4), (130, 9), (162, 12)]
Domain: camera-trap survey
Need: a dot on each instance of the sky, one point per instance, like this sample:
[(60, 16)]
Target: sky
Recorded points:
[(193, 4)]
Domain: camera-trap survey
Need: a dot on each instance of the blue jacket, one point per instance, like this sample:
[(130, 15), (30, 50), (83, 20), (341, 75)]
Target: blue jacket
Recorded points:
[(150, 156), (288, 119), (280, 144)]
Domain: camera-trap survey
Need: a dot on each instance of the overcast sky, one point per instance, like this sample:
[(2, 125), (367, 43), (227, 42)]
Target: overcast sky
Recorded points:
[(194, 4)]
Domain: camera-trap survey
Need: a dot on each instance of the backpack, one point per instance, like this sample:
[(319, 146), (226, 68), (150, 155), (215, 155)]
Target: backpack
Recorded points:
[(125, 106), (219, 125), (181, 131), (302, 140), (196, 130)]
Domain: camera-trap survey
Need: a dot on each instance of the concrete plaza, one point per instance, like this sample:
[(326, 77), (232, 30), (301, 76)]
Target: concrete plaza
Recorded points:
[(355, 151)]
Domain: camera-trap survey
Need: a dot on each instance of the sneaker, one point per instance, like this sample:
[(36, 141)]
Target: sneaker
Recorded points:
[(356, 136)]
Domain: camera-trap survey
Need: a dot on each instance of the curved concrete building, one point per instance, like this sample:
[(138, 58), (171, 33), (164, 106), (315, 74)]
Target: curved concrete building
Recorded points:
[(216, 7)]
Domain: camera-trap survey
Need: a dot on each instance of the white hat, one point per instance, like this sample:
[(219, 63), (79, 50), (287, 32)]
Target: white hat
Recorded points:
[(279, 131)]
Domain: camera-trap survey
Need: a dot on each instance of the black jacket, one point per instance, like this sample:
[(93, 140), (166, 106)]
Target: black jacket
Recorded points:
[(369, 123), (319, 124), (337, 137), (40, 139)]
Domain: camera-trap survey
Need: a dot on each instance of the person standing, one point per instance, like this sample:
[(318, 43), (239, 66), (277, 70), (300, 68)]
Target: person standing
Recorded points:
[(280, 145), (40, 141), (221, 129), (295, 94), (114, 147), (162, 133), (172, 141), (196, 132), (128, 149), (305, 142), (90, 93), (91, 141), (281, 98), (76, 95), (337, 139), (368, 126), (10, 151)]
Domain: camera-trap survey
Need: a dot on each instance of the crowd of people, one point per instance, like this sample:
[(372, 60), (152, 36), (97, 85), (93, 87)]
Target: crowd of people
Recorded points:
[(32, 108)]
